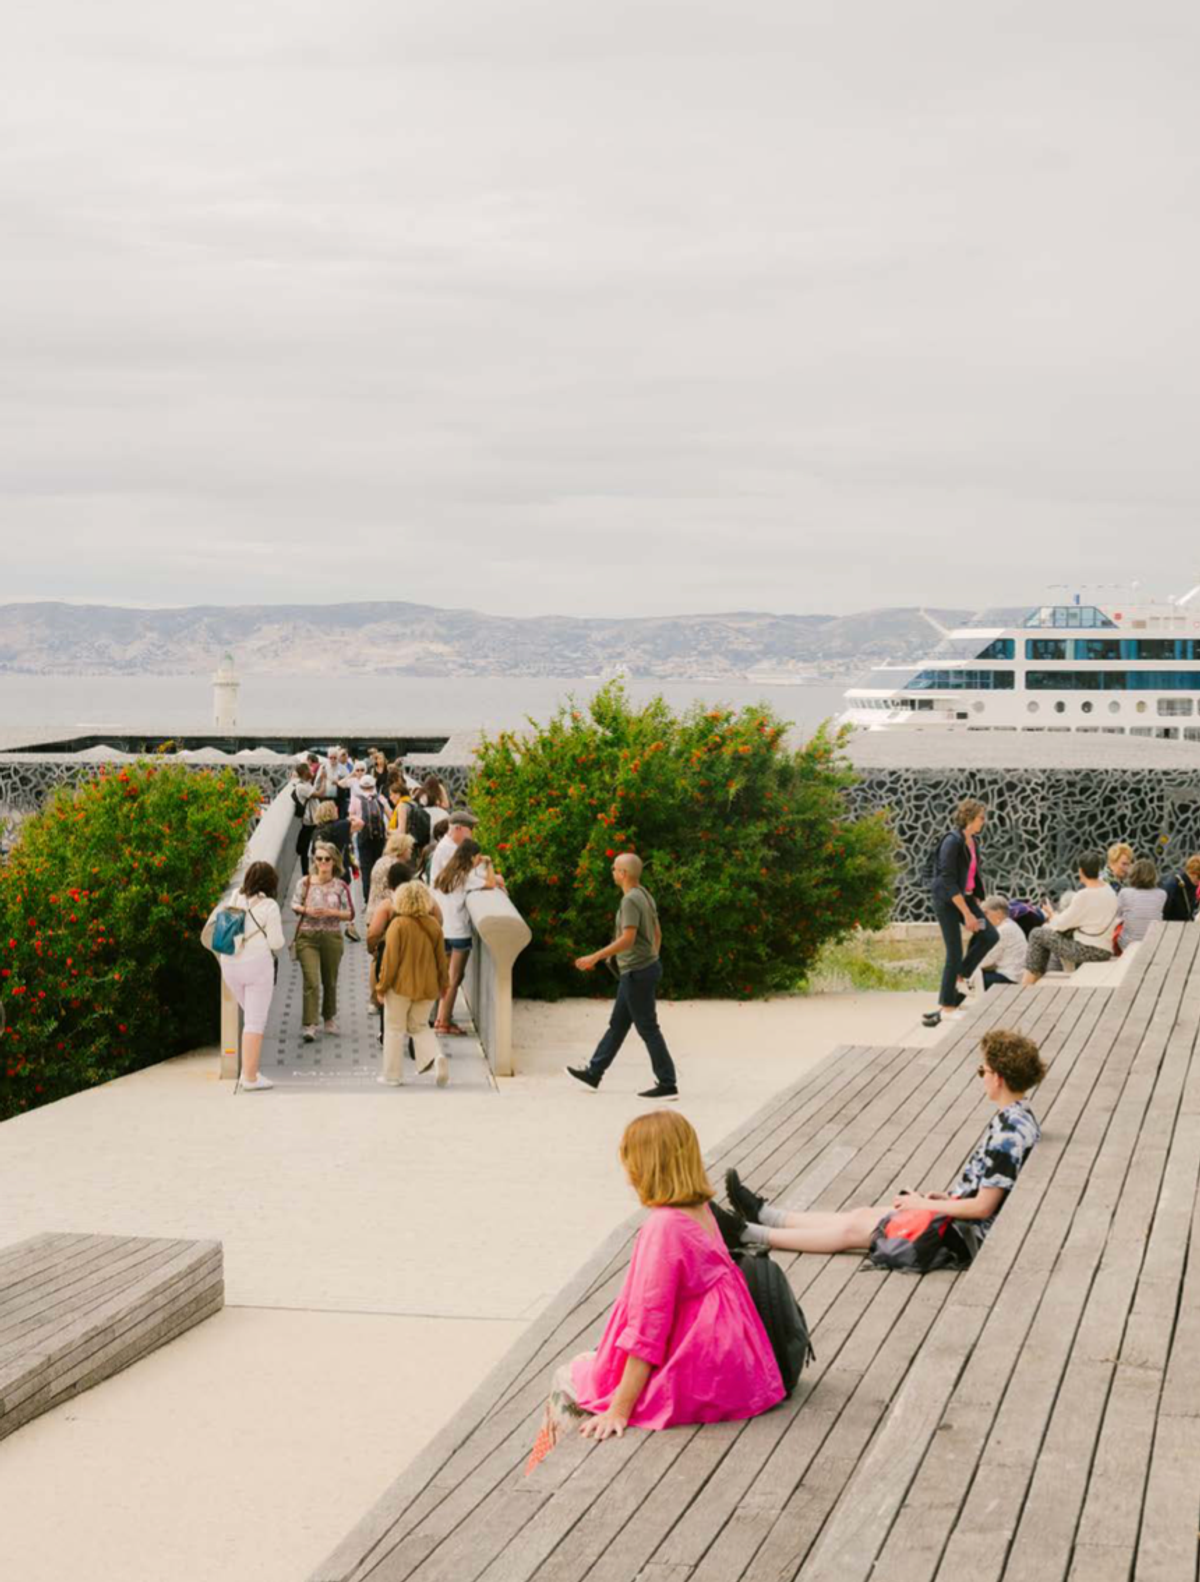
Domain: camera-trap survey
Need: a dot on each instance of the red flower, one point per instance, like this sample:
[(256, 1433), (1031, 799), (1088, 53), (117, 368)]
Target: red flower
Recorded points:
[(121, 1028), (609, 852)]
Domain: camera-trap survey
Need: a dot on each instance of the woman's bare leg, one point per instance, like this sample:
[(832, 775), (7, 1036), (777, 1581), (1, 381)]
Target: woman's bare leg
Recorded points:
[(458, 967), (826, 1232)]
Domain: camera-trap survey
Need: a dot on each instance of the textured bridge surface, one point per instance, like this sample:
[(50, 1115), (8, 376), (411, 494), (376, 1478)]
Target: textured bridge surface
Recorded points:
[(1037, 1416)]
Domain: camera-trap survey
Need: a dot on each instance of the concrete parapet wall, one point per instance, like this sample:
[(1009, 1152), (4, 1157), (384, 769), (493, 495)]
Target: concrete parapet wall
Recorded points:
[(500, 934)]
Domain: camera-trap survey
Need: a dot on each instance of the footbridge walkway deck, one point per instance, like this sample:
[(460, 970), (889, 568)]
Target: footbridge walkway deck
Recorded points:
[(1035, 1417)]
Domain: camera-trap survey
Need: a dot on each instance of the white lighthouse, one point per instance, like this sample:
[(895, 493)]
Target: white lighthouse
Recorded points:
[(225, 691)]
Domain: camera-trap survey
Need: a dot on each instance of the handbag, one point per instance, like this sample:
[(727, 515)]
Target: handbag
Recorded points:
[(292, 951)]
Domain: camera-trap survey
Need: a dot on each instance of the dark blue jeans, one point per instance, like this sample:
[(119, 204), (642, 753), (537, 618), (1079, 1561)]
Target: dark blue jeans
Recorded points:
[(635, 1007), (958, 965)]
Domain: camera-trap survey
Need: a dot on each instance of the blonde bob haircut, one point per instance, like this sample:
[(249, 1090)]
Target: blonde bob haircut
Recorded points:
[(412, 900), (661, 1155), (398, 846)]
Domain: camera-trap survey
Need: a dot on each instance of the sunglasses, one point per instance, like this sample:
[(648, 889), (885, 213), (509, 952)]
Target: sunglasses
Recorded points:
[(330, 859)]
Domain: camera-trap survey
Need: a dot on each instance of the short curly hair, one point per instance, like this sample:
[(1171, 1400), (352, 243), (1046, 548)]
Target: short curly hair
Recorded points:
[(1014, 1058), (966, 811)]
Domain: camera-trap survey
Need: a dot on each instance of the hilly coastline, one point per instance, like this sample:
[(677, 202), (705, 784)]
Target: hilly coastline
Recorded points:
[(400, 639)]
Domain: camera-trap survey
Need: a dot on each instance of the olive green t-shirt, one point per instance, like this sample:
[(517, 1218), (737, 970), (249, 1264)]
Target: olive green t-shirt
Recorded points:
[(637, 910)]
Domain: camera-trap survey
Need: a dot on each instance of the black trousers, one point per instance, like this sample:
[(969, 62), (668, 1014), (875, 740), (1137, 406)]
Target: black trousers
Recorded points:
[(957, 965)]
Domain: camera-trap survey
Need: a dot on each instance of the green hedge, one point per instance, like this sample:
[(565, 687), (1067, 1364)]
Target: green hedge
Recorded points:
[(751, 852), (101, 904)]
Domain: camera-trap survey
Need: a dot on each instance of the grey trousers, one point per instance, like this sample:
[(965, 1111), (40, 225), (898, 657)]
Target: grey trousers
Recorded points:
[(1045, 942)]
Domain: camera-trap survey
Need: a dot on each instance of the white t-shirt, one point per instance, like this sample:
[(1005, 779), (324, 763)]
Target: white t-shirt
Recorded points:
[(442, 854), (1008, 956), (456, 920)]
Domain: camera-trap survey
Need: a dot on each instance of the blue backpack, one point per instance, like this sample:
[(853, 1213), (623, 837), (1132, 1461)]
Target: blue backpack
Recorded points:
[(228, 928)]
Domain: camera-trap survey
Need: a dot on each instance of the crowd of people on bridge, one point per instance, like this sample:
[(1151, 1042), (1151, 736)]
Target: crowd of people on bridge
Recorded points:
[(415, 860), (1117, 898)]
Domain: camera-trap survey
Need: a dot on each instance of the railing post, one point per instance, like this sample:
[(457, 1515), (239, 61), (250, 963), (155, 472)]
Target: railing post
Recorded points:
[(501, 935)]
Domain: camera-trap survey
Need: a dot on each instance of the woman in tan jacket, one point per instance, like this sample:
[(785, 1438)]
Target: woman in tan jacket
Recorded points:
[(411, 976)]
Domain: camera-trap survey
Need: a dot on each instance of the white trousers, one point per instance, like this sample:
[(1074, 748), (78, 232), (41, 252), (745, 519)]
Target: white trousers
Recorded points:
[(403, 1017)]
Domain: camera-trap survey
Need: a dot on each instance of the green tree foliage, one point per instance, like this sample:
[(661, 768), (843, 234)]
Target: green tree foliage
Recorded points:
[(751, 853), (101, 905)]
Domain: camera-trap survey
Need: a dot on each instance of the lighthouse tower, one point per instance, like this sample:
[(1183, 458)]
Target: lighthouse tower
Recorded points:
[(225, 691)]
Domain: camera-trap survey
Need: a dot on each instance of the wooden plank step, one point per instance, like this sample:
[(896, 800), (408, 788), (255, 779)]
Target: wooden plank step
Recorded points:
[(79, 1308)]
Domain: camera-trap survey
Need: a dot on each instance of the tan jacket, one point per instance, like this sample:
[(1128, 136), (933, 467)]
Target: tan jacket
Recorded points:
[(414, 960)]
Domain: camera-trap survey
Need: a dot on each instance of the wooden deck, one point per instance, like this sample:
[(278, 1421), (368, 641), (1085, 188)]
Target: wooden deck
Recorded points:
[(76, 1309), (1036, 1417)]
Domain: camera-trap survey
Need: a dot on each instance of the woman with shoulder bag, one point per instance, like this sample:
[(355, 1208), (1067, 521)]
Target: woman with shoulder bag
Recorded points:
[(249, 973), (409, 976), (323, 903)]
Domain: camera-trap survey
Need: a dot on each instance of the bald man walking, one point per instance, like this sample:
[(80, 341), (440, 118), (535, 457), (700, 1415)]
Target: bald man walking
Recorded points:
[(636, 946)]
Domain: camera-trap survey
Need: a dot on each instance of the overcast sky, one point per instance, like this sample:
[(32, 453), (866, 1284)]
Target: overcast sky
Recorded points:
[(650, 305)]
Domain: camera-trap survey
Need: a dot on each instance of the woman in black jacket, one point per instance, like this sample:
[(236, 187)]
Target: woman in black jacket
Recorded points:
[(1180, 906), (957, 891)]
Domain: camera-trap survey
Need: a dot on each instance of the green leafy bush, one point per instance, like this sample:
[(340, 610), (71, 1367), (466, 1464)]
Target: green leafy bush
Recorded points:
[(101, 904), (751, 852)]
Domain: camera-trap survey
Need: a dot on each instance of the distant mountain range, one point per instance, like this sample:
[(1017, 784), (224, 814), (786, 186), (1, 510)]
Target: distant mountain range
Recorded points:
[(419, 640)]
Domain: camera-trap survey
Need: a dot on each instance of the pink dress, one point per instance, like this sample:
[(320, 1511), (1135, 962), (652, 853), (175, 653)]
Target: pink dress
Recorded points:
[(684, 1309)]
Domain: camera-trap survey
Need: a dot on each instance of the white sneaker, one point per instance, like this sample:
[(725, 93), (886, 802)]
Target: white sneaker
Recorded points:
[(259, 1085), (441, 1071), (390, 1082), (309, 1034), (331, 1027)]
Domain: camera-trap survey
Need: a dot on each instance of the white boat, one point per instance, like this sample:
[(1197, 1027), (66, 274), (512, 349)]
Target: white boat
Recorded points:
[(1131, 668)]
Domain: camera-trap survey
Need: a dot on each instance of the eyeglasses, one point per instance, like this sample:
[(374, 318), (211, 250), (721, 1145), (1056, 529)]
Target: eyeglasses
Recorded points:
[(330, 859)]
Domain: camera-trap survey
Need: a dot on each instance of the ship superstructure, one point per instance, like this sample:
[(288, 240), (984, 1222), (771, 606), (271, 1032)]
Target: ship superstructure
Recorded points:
[(1129, 669)]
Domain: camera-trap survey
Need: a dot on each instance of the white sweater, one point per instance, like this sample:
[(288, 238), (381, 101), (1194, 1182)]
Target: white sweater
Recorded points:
[(264, 926), (1092, 913)]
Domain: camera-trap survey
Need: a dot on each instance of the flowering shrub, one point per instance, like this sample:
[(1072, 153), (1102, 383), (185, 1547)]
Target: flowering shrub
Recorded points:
[(101, 904), (751, 854)]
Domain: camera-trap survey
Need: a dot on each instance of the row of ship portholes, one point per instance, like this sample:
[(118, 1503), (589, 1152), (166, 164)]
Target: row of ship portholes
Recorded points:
[(1061, 708)]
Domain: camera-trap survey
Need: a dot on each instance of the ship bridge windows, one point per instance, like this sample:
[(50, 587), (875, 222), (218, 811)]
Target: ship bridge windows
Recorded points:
[(1002, 648), (962, 681), (1078, 617), (1046, 648), (1113, 680)]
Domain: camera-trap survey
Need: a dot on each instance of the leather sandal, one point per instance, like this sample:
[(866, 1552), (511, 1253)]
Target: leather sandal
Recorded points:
[(450, 1029)]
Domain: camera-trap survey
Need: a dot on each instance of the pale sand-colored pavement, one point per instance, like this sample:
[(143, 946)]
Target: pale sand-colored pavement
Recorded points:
[(382, 1251)]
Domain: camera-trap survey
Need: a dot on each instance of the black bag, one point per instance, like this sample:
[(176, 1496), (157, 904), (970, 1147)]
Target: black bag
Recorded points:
[(374, 830), (929, 867), (916, 1241), (781, 1314), (297, 805)]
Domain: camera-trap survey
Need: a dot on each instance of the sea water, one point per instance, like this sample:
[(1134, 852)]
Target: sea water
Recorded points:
[(42, 707)]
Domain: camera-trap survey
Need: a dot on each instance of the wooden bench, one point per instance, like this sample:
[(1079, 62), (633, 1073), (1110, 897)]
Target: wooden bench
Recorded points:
[(1007, 1421), (76, 1309)]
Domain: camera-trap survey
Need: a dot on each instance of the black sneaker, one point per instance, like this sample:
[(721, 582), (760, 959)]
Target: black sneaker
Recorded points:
[(661, 1090), (730, 1224), (582, 1074), (748, 1204)]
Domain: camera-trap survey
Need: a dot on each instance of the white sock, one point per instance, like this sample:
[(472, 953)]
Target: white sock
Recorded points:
[(755, 1235), (776, 1217)]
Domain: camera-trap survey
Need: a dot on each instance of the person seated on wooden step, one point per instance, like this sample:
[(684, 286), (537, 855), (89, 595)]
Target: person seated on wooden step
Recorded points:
[(684, 1342), (1011, 1067)]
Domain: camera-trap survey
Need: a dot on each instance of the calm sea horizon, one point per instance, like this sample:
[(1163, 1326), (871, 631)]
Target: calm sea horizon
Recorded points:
[(48, 706)]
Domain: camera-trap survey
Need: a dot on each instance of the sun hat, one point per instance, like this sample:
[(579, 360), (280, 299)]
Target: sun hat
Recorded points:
[(366, 783)]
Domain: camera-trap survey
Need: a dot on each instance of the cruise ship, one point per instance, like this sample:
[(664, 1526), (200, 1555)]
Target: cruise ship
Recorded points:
[(1131, 669)]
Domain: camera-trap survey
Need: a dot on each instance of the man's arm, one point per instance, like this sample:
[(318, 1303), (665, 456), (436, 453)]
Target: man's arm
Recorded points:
[(983, 1205), (623, 941)]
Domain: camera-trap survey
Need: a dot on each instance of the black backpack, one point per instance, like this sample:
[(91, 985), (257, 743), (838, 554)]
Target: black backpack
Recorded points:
[(913, 1241), (781, 1314), (374, 830), (930, 866)]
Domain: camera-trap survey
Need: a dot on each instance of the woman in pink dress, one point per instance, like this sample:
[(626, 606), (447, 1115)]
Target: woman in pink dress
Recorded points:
[(684, 1342)]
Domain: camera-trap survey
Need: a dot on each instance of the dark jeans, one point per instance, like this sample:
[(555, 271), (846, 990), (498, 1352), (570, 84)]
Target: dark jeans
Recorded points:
[(958, 965), (635, 1007), (991, 979), (368, 856), (303, 841)]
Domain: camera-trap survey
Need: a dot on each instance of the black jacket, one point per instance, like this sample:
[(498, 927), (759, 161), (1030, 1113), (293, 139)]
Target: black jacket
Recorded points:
[(951, 867), (1180, 906)]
